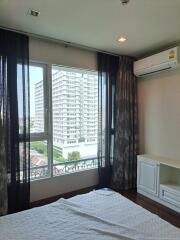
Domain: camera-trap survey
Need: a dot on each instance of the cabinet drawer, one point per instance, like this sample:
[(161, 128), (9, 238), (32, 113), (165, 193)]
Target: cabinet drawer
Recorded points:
[(170, 194)]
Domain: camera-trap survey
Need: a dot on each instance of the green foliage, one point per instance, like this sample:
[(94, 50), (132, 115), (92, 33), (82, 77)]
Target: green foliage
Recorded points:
[(41, 148), (57, 155), (75, 155), (81, 139)]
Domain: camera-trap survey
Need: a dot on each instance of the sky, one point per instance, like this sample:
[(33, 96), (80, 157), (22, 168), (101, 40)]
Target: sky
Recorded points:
[(36, 75)]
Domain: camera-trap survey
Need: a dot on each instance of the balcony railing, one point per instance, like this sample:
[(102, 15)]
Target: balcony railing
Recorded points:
[(39, 172)]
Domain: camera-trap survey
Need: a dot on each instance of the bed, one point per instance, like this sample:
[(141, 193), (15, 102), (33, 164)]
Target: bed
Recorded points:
[(97, 215)]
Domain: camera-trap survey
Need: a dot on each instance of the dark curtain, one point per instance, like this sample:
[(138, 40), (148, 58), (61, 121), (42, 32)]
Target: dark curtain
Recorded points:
[(126, 128), (107, 73), (14, 122)]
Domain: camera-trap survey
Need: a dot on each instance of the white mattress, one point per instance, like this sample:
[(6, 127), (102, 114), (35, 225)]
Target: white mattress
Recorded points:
[(97, 215)]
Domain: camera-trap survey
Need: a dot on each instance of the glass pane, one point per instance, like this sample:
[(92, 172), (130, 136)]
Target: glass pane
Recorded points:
[(22, 85), (75, 118), (24, 157), (36, 99), (113, 103), (39, 159)]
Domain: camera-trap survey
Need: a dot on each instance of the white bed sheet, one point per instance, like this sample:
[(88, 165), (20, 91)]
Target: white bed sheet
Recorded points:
[(101, 215)]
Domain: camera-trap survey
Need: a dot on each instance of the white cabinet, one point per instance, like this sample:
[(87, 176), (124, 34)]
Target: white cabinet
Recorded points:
[(170, 194), (147, 176), (159, 179)]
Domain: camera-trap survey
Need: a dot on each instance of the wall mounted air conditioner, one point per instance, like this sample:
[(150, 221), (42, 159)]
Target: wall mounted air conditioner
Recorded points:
[(169, 59)]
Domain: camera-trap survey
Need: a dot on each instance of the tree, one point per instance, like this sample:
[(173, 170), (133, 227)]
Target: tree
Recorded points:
[(40, 147), (75, 155), (81, 139), (57, 155)]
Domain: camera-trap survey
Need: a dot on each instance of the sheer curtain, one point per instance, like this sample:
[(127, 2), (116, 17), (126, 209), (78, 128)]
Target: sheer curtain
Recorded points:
[(107, 74), (126, 127), (14, 122)]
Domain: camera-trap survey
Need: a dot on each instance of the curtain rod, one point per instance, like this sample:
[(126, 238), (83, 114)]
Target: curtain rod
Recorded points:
[(59, 41)]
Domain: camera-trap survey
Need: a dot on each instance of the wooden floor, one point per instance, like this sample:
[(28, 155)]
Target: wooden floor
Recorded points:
[(154, 207)]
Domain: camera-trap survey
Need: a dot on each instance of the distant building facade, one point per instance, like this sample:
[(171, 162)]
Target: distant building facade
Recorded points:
[(75, 111), (39, 107)]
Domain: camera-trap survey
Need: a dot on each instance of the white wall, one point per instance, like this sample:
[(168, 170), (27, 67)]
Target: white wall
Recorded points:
[(159, 114), (45, 188), (53, 53)]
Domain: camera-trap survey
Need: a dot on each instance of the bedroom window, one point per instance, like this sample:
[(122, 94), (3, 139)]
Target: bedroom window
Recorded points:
[(39, 139), (64, 120)]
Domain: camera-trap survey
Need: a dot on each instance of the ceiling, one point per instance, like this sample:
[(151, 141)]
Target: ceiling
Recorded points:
[(148, 24)]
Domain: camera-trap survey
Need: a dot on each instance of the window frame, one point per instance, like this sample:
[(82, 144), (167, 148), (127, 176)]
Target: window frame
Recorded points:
[(40, 136), (44, 136), (47, 135)]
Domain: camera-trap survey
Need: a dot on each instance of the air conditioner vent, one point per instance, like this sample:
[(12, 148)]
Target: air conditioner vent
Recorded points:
[(162, 61)]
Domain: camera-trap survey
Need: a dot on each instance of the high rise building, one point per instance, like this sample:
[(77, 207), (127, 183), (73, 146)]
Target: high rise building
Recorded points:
[(75, 111), (39, 107)]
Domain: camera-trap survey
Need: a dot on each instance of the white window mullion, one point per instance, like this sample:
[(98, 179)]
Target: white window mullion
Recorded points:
[(50, 127), (41, 137)]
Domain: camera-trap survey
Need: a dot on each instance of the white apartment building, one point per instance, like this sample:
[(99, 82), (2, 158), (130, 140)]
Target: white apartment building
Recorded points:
[(75, 111), (39, 107)]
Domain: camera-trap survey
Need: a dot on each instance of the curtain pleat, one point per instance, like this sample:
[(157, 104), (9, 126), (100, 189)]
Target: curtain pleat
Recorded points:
[(14, 122), (3, 172), (126, 128), (107, 73)]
